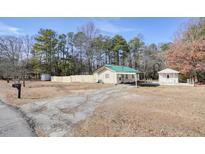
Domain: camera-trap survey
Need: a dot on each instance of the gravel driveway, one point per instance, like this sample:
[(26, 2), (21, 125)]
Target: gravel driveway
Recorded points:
[(55, 117)]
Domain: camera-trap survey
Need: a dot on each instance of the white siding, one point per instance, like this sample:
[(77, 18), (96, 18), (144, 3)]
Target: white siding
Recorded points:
[(168, 78), (107, 76)]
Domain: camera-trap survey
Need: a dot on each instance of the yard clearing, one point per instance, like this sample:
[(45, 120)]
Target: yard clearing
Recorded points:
[(149, 111), (83, 109), (38, 90)]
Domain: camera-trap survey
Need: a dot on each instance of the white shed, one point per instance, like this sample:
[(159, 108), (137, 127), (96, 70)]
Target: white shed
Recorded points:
[(168, 77), (116, 74)]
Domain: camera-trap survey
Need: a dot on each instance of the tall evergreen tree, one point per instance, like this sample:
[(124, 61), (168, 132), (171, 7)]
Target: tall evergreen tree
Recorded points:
[(120, 49), (45, 49), (134, 45)]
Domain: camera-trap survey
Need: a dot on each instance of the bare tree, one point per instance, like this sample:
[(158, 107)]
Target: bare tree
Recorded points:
[(14, 54), (11, 55), (90, 32)]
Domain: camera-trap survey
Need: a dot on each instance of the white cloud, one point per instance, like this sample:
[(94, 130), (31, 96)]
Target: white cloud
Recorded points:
[(108, 25), (9, 30), (112, 28)]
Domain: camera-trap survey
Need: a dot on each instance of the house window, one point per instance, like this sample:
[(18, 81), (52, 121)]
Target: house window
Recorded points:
[(107, 75), (133, 76), (167, 76), (126, 76)]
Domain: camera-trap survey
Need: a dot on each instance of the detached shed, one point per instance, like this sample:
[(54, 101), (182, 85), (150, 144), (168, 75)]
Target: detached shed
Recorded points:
[(116, 74), (168, 77)]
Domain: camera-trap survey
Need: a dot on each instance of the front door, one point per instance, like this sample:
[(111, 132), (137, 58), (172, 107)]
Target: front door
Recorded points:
[(168, 78)]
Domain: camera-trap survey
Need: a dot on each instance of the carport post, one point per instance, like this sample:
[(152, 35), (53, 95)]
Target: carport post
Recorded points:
[(135, 79)]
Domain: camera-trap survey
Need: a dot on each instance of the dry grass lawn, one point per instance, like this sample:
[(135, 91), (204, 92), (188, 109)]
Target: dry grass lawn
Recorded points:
[(144, 111), (36, 90), (149, 111)]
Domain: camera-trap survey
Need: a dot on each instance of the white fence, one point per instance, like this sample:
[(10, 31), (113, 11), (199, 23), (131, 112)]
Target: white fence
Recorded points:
[(74, 78), (177, 84)]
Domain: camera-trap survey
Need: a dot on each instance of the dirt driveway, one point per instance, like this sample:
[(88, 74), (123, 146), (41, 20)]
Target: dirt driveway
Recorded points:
[(57, 116)]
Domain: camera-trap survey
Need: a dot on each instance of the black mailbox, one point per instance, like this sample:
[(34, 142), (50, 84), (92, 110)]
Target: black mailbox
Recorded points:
[(18, 86)]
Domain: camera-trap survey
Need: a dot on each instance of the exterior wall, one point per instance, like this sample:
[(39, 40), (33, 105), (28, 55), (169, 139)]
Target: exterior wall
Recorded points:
[(173, 78), (74, 78), (111, 76), (114, 77)]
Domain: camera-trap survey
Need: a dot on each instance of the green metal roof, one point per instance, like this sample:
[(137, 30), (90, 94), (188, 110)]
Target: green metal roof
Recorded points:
[(118, 68)]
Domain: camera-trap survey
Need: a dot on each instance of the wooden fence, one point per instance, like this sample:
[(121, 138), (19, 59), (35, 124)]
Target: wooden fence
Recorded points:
[(74, 78)]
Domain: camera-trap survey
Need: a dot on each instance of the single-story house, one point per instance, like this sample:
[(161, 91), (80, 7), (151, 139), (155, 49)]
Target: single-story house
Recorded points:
[(168, 77), (116, 74)]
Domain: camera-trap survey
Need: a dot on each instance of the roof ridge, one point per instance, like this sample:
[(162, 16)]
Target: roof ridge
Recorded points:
[(118, 65), (169, 69)]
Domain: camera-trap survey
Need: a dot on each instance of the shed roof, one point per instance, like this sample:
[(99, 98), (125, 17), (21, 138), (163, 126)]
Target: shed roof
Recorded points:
[(118, 68), (168, 70)]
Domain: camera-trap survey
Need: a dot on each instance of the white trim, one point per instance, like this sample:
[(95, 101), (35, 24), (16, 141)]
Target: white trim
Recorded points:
[(124, 73), (168, 71), (110, 69), (102, 68)]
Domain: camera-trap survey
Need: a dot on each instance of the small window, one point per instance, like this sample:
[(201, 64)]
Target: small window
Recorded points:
[(107, 75), (167, 76), (126, 76), (133, 76)]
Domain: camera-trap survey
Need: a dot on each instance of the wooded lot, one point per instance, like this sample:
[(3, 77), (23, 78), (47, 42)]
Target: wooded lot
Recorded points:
[(82, 52)]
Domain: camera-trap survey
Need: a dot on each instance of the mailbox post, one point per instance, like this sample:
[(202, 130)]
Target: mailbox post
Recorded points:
[(18, 87), (24, 83)]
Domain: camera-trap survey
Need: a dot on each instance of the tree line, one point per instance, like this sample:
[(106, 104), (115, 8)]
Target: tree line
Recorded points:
[(187, 52), (76, 53), (15, 53), (84, 51)]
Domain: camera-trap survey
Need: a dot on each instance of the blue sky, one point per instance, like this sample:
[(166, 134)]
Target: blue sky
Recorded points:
[(154, 30)]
